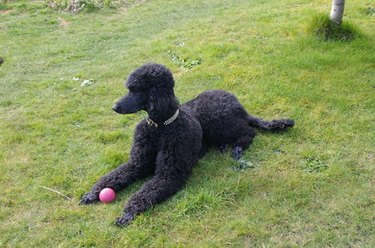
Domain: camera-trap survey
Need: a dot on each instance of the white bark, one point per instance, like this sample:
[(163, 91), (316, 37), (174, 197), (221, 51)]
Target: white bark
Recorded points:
[(337, 10)]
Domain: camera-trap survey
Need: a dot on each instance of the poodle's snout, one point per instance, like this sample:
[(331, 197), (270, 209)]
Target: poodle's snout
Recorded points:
[(115, 107), (130, 103), (118, 109)]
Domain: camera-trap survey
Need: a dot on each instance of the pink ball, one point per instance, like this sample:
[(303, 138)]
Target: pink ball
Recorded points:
[(107, 195)]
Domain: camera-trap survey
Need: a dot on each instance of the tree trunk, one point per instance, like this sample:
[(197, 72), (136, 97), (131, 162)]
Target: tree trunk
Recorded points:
[(337, 11)]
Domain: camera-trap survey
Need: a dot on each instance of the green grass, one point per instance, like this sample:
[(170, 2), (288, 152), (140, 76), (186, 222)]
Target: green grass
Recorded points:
[(311, 186), (324, 28)]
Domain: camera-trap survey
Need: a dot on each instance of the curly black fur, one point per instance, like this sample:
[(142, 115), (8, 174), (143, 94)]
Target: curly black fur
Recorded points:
[(168, 152), (225, 122)]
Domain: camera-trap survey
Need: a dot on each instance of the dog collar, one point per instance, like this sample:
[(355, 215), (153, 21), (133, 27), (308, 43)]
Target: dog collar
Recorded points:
[(151, 123)]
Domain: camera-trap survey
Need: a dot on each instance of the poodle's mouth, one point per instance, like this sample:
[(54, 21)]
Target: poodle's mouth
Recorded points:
[(120, 110)]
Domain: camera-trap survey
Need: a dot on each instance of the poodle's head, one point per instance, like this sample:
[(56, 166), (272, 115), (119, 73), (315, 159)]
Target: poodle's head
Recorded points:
[(150, 87), (149, 76)]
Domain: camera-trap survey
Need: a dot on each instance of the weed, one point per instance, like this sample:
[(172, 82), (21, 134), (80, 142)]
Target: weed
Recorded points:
[(3, 5), (185, 63), (243, 165), (312, 165), (369, 11)]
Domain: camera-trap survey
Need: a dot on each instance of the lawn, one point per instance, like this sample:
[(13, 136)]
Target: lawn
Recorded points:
[(311, 186)]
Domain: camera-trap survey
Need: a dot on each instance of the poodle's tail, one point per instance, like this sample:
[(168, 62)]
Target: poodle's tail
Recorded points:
[(274, 125)]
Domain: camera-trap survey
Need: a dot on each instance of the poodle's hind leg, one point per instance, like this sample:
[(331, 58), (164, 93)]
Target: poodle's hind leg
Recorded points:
[(223, 148), (237, 152), (242, 143)]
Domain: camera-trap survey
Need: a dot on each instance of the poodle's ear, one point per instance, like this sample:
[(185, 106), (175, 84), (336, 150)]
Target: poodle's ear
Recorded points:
[(161, 99), (156, 99)]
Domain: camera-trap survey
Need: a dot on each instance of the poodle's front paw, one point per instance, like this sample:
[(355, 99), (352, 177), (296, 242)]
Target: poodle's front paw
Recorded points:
[(124, 220), (288, 122), (237, 152), (88, 198)]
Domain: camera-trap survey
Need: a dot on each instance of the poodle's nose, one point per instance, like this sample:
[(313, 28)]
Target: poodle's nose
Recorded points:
[(115, 107)]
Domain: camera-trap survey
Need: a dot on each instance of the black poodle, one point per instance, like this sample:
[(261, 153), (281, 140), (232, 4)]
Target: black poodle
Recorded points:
[(168, 143)]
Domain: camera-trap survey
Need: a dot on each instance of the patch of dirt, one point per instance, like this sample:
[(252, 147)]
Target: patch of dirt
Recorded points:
[(62, 23), (6, 11)]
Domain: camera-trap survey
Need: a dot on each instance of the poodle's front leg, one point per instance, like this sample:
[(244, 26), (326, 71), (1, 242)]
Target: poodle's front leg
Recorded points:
[(141, 164), (154, 191), (116, 180)]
